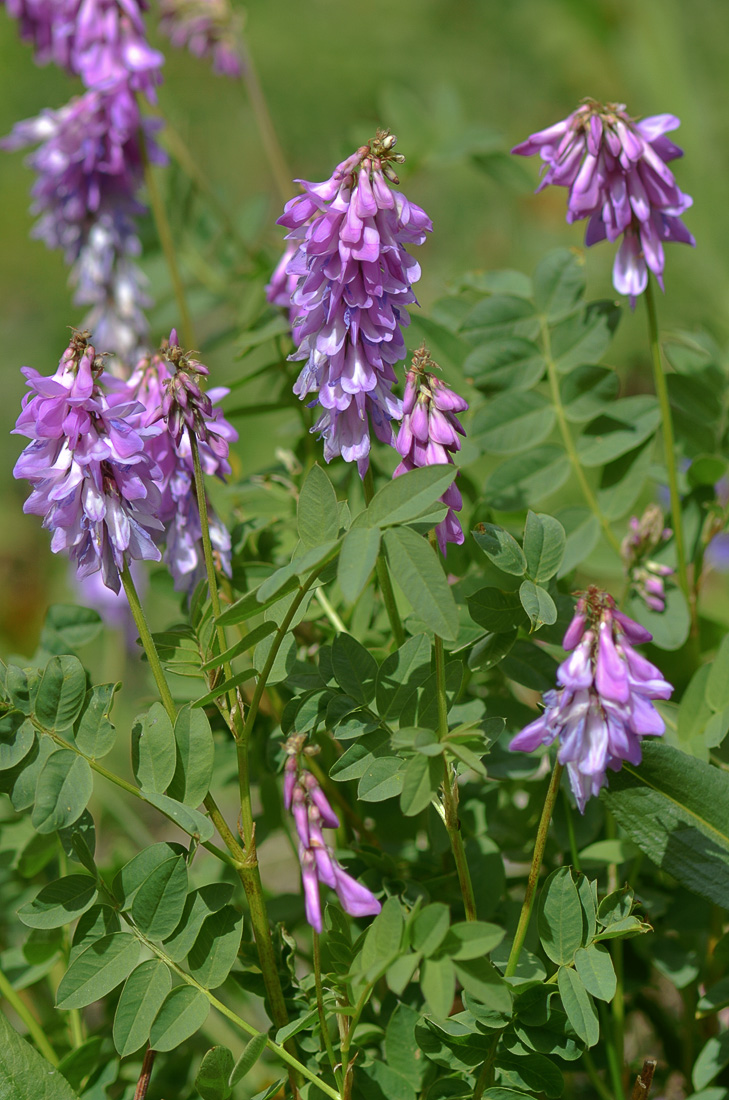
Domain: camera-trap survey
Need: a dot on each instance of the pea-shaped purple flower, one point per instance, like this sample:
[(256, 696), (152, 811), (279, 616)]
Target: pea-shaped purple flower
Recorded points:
[(604, 705)]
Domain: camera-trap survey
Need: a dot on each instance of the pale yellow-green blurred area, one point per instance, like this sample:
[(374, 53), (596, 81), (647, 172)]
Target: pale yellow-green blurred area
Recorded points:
[(329, 69)]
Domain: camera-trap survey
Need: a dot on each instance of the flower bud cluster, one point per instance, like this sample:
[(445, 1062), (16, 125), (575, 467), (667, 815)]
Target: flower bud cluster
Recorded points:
[(604, 705), (206, 28), (354, 280), (646, 576), (616, 170), (311, 812), (89, 464), (429, 433)]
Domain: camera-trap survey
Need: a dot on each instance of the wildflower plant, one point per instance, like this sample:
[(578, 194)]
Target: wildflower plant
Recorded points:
[(429, 768)]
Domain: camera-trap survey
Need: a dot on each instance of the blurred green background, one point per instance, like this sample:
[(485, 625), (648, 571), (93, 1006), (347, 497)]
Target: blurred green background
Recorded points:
[(454, 79)]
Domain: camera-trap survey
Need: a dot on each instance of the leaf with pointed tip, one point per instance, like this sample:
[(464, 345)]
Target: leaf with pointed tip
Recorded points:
[(141, 999)]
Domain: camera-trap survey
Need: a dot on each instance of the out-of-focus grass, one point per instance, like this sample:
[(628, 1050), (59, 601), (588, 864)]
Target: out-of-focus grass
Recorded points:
[(329, 71)]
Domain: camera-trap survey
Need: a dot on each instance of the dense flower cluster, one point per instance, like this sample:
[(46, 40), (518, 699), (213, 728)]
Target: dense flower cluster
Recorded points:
[(354, 279), (112, 475), (206, 28), (646, 576), (89, 160), (155, 382), (428, 435), (604, 705), (311, 812), (616, 170), (93, 479)]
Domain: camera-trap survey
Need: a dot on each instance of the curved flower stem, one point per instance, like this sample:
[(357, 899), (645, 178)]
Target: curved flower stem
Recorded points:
[(145, 635), (326, 1038), (383, 575), (21, 1010), (269, 137), (533, 878), (659, 379), (166, 240), (569, 443)]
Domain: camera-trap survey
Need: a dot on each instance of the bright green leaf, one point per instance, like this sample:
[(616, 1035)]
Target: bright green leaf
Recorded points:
[(141, 999), (154, 750), (183, 1012)]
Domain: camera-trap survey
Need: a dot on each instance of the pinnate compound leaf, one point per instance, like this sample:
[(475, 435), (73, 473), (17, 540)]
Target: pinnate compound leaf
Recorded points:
[(560, 916), (134, 873), (154, 749), (410, 495), (357, 559), (61, 693), (93, 732), (252, 1051), (198, 906), (578, 1005), (24, 1073), (141, 999), (183, 1012), (101, 967), (195, 757), (501, 548), (64, 787), (160, 899), (59, 902), (676, 809), (318, 514)]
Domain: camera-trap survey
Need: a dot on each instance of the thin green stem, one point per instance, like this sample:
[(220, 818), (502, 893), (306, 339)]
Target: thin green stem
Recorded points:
[(147, 640), (486, 1076), (166, 240), (614, 1063), (276, 1048), (669, 448), (323, 1025), (533, 878), (269, 137), (176, 145), (571, 832), (329, 611), (569, 443), (597, 1082), (383, 574), (23, 1012)]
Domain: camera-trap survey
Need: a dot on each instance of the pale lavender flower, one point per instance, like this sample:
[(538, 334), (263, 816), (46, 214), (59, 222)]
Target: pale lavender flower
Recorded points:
[(354, 280), (604, 705), (311, 812), (89, 464), (151, 383), (281, 288), (646, 576), (207, 29), (616, 170), (428, 435)]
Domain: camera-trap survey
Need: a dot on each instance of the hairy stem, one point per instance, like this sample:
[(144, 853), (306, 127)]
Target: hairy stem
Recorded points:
[(166, 240), (21, 1010), (383, 574), (533, 878), (569, 443), (669, 449)]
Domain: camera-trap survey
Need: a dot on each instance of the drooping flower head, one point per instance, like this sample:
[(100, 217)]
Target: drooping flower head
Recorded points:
[(604, 704), (89, 464), (428, 435), (312, 812), (646, 576), (354, 279), (616, 170), (164, 381), (207, 28)]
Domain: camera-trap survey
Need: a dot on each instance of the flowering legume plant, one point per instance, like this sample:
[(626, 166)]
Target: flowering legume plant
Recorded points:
[(427, 793)]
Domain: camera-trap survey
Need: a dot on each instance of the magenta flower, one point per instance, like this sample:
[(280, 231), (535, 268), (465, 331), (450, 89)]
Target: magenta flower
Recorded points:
[(646, 576), (604, 706), (354, 279), (89, 464), (207, 29), (311, 812), (616, 170), (151, 384), (428, 435)]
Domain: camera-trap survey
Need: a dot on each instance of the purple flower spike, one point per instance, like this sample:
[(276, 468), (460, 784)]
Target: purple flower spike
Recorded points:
[(647, 577), (615, 169), (89, 462), (354, 279), (429, 433), (311, 810), (207, 29), (604, 706)]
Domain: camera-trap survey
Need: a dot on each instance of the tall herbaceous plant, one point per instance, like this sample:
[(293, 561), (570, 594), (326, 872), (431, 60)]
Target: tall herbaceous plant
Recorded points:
[(427, 793)]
